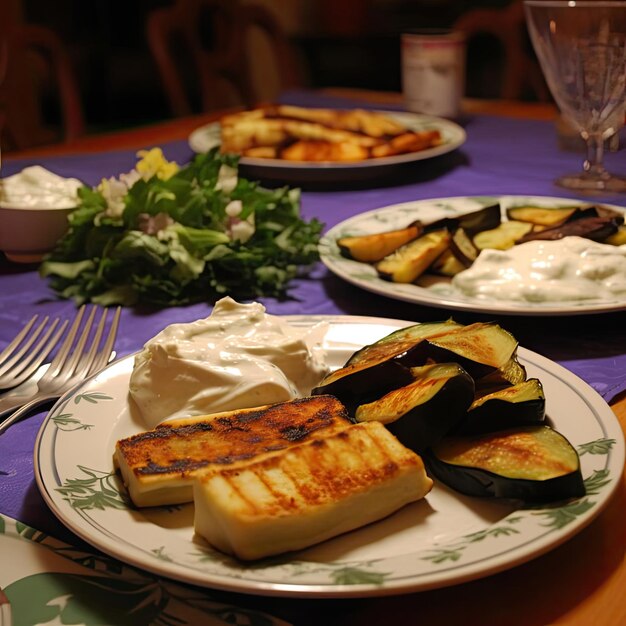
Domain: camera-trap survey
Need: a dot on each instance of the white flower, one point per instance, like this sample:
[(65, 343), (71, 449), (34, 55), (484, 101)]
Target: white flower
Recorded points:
[(234, 208), (226, 179), (113, 191), (130, 178)]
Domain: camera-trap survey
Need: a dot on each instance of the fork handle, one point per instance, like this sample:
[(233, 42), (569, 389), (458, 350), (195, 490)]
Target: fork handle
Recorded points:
[(23, 411)]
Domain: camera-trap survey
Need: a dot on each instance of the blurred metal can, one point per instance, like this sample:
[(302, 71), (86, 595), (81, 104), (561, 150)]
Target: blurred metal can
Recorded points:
[(433, 71)]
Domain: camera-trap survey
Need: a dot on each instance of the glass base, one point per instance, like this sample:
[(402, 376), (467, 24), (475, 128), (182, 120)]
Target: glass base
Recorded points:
[(585, 182)]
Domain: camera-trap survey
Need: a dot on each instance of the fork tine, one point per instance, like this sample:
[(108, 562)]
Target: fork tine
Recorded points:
[(78, 351), (22, 369), (60, 357), (86, 360), (5, 355), (103, 357)]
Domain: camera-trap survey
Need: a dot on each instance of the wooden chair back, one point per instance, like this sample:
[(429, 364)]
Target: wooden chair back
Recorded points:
[(521, 75), (36, 63), (215, 37)]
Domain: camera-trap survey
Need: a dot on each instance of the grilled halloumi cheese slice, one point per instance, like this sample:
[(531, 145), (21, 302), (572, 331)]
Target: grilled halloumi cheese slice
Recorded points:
[(158, 466), (308, 493), (252, 132), (370, 123)]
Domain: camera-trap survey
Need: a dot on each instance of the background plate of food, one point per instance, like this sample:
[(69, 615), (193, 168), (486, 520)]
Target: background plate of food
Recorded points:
[(465, 254), (298, 142)]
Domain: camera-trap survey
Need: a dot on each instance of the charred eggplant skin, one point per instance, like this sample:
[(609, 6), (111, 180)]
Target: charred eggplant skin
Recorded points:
[(473, 479), (364, 384), (482, 219), (517, 405), (594, 228), (482, 484)]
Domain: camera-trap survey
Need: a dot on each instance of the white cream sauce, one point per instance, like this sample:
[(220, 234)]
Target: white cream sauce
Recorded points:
[(567, 270), (238, 357), (37, 188)]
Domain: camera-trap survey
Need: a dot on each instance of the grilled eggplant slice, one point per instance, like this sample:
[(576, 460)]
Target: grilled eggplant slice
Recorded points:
[(384, 365), (483, 219), (366, 379), (399, 341), (594, 228), (463, 248), (422, 412), (511, 373), (541, 216), (373, 248), (531, 463), (517, 405), (479, 348), (411, 260)]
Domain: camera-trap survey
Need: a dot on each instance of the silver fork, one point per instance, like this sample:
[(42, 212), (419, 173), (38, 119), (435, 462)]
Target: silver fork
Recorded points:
[(22, 357), (72, 363)]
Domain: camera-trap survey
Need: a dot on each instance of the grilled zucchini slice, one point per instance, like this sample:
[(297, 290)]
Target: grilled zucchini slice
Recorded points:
[(503, 237)]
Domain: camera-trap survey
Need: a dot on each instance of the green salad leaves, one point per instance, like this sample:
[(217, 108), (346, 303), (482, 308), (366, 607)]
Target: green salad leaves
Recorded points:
[(166, 236)]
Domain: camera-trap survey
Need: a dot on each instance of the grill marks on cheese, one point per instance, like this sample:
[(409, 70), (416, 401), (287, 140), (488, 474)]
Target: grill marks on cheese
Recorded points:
[(273, 479), (310, 477), (158, 465), (308, 493)]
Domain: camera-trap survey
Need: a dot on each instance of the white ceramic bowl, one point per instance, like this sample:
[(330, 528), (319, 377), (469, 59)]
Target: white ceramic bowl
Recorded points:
[(27, 233), (34, 205)]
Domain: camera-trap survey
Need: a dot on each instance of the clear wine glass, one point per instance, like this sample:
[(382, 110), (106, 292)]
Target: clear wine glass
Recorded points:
[(581, 47)]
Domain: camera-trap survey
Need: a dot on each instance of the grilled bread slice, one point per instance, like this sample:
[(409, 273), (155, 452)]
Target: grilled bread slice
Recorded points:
[(308, 493), (158, 466)]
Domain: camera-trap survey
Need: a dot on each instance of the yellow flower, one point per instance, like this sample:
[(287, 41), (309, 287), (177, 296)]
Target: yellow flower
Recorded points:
[(153, 163)]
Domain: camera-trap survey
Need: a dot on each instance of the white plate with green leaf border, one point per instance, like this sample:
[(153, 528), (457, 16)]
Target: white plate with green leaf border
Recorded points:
[(453, 136), (441, 293), (51, 582), (442, 540)]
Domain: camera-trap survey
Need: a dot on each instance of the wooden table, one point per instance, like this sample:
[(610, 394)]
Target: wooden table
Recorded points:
[(580, 583)]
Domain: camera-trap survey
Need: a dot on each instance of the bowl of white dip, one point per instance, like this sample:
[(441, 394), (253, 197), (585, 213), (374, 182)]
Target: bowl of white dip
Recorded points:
[(34, 206)]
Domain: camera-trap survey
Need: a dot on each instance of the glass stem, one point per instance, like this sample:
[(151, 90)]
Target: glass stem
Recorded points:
[(594, 165)]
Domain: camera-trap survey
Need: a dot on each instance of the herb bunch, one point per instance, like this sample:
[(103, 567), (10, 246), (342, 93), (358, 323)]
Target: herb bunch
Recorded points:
[(165, 236)]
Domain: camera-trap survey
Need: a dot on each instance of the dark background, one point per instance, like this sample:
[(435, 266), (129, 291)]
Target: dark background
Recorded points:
[(347, 43)]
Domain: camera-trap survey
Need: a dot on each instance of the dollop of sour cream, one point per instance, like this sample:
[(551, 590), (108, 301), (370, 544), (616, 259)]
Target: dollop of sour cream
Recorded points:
[(567, 270), (37, 187), (236, 358)]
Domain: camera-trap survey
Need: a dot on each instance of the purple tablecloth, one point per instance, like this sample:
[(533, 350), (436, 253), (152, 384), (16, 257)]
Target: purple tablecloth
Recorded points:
[(501, 156)]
